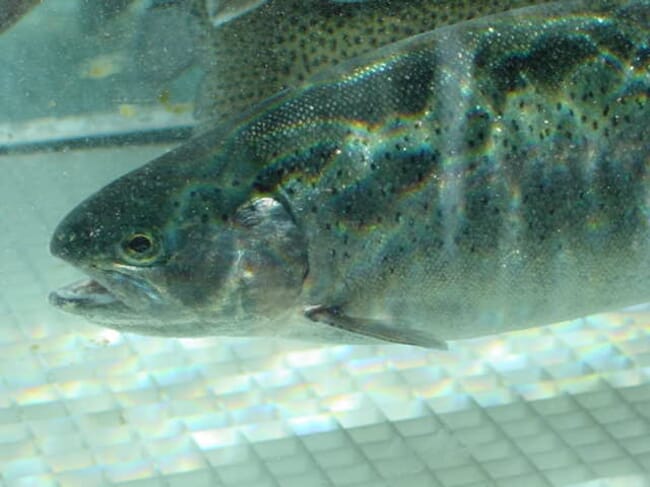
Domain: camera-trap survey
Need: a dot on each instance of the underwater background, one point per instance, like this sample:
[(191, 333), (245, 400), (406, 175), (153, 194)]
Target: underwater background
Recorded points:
[(80, 405)]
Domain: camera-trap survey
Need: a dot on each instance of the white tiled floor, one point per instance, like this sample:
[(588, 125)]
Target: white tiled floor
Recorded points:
[(85, 406)]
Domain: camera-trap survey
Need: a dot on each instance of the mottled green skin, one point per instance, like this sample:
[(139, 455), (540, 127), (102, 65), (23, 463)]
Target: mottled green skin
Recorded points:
[(487, 176)]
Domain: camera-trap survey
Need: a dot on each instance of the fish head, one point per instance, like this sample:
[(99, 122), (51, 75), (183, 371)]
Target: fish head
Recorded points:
[(171, 254)]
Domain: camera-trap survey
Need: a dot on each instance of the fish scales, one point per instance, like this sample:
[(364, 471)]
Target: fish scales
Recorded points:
[(486, 176)]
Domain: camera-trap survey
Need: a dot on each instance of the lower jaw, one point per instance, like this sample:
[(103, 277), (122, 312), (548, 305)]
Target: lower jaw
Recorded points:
[(82, 293)]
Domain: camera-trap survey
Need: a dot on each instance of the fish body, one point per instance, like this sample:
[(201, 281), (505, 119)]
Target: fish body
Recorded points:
[(483, 177), (281, 43)]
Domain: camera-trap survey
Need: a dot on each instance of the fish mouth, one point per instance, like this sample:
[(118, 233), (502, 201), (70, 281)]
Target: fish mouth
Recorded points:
[(96, 302), (111, 297), (85, 295)]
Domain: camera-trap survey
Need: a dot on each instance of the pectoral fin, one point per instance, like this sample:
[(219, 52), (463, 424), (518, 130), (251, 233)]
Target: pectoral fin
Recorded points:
[(334, 316)]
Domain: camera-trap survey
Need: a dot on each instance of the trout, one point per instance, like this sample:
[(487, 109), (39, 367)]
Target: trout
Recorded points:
[(486, 176)]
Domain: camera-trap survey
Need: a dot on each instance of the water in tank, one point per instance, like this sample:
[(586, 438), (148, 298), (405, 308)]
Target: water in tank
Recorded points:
[(324, 243)]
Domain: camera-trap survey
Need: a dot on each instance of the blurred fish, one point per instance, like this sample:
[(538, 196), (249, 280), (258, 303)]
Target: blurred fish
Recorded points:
[(95, 14), (103, 66), (483, 177), (251, 49), (168, 40), (12, 10), (265, 47)]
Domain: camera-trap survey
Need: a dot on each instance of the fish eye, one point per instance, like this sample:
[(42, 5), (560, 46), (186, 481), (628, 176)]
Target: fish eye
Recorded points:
[(140, 248), (140, 243)]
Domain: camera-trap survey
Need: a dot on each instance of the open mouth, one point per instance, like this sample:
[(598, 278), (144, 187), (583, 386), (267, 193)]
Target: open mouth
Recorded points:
[(122, 302), (83, 294), (108, 293)]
